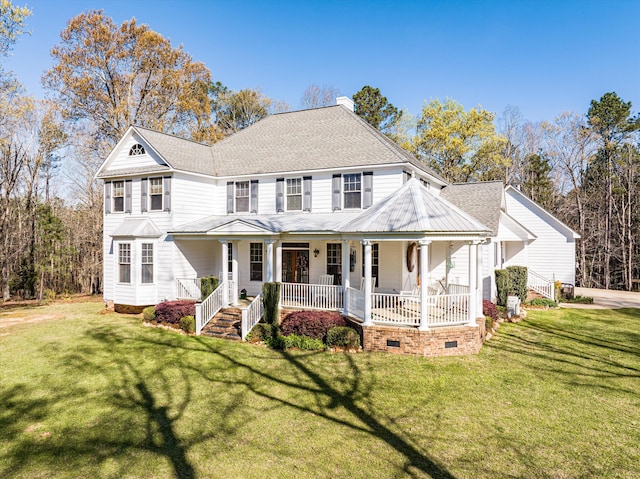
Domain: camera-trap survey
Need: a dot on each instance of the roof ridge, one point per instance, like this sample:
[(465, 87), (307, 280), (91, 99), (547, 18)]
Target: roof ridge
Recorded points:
[(137, 127)]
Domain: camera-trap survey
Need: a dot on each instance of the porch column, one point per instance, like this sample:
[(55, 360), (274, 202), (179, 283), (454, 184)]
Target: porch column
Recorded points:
[(234, 273), (225, 271), (345, 277), (473, 282), (367, 283), (269, 244), (424, 286), (278, 272)]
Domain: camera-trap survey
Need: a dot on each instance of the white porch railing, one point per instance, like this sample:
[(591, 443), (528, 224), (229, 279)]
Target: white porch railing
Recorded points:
[(251, 316), (355, 304), (188, 288), (457, 289), (540, 284), (311, 296), (210, 306), (395, 309), (448, 309)]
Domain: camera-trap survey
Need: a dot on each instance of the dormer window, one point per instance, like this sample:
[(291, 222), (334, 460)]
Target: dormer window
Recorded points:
[(136, 149)]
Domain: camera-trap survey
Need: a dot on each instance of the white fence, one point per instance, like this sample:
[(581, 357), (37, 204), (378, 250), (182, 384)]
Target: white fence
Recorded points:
[(395, 309), (251, 316), (188, 288), (210, 306), (355, 303), (540, 284), (311, 296), (448, 309)]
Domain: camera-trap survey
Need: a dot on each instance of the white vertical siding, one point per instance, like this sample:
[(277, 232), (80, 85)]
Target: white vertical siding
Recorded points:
[(552, 253)]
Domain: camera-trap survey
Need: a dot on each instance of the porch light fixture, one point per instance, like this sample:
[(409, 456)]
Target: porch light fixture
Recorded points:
[(316, 252)]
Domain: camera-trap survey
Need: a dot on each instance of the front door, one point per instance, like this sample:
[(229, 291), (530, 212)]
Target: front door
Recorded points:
[(295, 266)]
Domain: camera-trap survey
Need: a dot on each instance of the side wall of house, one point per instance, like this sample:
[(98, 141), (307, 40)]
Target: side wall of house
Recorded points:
[(552, 253)]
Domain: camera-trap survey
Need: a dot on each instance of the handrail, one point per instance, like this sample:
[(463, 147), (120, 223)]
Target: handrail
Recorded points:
[(540, 284), (208, 308), (251, 316), (188, 288)]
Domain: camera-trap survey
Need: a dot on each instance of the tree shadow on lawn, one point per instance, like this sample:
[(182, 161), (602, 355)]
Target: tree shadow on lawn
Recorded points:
[(569, 352), (346, 390)]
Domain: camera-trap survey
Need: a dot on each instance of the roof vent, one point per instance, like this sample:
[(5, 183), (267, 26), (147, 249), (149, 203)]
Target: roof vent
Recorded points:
[(346, 102)]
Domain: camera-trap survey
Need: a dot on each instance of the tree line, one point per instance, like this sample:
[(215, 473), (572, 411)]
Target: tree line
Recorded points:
[(105, 77)]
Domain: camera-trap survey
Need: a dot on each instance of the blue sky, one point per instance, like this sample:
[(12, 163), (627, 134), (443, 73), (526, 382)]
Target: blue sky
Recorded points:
[(544, 57)]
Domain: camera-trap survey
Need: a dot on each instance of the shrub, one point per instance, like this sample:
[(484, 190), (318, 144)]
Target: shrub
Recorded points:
[(261, 332), (544, 302), (489, 309), (188, 324), (518, 281), (170, 312), (149, 313), (503, 285), (488, 323), (300, 342), (579, 300), (271, 301), (208, 285), (314, 324), (49, 294), (343, 337)]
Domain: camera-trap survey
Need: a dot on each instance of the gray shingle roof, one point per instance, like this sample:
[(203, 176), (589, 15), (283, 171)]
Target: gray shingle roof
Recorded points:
[(330, 137), (413, 208), (482, 200), (179, 153)]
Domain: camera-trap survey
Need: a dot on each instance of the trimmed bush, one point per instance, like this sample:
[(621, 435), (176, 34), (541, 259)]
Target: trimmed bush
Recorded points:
[(271, 301), (518, 281), (301, 342), (503, 285), (543, 302), (314, 324), (149, 313), (489, 309), (170, 312), (261, 332), (343, 337), (208, 285), (188, 324), (579, 300), (488, 322)]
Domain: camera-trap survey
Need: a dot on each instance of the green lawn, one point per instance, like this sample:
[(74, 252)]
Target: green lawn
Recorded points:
[(100, 395)]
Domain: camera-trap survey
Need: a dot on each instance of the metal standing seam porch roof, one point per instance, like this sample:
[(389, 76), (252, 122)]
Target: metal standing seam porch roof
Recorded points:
[(411, 209)]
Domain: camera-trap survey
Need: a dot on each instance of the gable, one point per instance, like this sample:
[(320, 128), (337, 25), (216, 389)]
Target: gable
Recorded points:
[(533, 216), (132, 155)]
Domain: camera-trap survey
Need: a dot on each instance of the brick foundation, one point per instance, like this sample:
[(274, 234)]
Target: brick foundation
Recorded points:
[(442, 341)]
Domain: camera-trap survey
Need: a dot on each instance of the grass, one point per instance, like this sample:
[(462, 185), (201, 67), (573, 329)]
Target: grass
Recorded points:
[(85, 394)]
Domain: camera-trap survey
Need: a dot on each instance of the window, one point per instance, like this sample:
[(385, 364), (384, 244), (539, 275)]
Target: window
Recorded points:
[(136, 149), (124, 262), (334, 261), (118, 196), (294, 194), (255, 261), (147, 262), (242, 196), (155, 192), (352, 190), (374, 263)]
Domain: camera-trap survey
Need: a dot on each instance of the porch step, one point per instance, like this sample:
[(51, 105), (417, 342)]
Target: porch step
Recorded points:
[(226, 324)]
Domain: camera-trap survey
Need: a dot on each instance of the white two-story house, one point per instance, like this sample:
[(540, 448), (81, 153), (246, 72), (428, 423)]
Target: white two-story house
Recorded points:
[(323, 203)]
